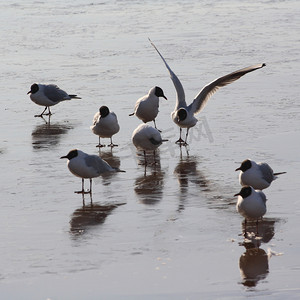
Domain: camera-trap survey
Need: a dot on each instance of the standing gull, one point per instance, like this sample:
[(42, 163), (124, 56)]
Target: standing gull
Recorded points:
[(87, 166), (146, 108), (183, 114), (145, 137), (251, 204), (258, 175), (105, 125), (48, 95)]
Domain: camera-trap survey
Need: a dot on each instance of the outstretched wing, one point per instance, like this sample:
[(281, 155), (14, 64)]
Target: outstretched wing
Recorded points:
[(201, 99), (55, 94), (178, 86)]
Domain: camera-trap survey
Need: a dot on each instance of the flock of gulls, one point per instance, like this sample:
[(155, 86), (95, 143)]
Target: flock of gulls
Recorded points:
[(254, 177)]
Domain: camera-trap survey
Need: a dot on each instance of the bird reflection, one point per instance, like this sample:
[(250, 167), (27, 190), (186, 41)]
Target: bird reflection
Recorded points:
[(47, 134), (90, 215), (112, 159), (266, 229), (254, 266), (149, 187), (186, 170), (148, 158)]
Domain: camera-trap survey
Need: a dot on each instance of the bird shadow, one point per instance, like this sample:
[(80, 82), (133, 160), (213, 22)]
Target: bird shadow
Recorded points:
[(48, 135)]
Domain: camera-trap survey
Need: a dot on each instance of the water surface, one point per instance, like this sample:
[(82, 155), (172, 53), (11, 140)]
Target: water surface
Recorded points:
[(168, 231)]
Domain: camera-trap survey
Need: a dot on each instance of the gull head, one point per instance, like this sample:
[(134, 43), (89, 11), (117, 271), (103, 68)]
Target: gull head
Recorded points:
[(104, 111), (245, 165), (33, 89), (181, 114)]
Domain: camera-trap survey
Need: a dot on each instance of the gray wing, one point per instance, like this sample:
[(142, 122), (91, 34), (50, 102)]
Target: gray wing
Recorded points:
[(202, 98), (266, 171), (176, 81), (155, 142), (100, 165), (263, 196), (55, 94)]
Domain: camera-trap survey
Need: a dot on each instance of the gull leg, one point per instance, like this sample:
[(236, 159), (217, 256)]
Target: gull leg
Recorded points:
[(82, 188), (180, 141), (90, 186), (41, 115), (111, 143), (155, 125), (49, 112), (99, 145), (186, 136)]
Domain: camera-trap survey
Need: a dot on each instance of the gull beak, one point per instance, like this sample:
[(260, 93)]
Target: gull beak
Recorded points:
[(238, 169), (238, 194), (63, 157), (165, 97), (29, 92)]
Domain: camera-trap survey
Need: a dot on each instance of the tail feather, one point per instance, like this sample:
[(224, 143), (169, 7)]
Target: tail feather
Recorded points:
[(118, 170), (74, 97), (279, 173)]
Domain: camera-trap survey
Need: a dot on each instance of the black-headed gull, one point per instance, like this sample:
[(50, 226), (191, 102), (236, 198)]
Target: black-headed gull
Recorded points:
[(146, 108), (183, 114), (251, 204), (105, 125), (146, 137), (258, 175), (48, 95), (87, 166)]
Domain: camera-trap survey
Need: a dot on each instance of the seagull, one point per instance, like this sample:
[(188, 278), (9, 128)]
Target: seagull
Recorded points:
[(146, 108), (258, 175), (105, 125), (146, 137), (251, 204), (183, 114), (87, 166), (48, 95)]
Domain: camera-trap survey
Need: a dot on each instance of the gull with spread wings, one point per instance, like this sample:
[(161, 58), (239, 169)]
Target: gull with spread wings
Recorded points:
[(183, 114)]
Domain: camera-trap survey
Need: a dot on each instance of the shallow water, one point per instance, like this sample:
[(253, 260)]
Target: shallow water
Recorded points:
[(169, 231)]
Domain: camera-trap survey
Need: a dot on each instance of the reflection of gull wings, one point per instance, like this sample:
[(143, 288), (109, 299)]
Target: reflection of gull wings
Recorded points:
[(201, 99), (176, 81)]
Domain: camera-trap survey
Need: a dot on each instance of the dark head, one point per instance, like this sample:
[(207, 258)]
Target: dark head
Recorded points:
[(244, 192), (71, 154), (33, 89), (246, 165), (159, 92), (104, 111), (181, 114)]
